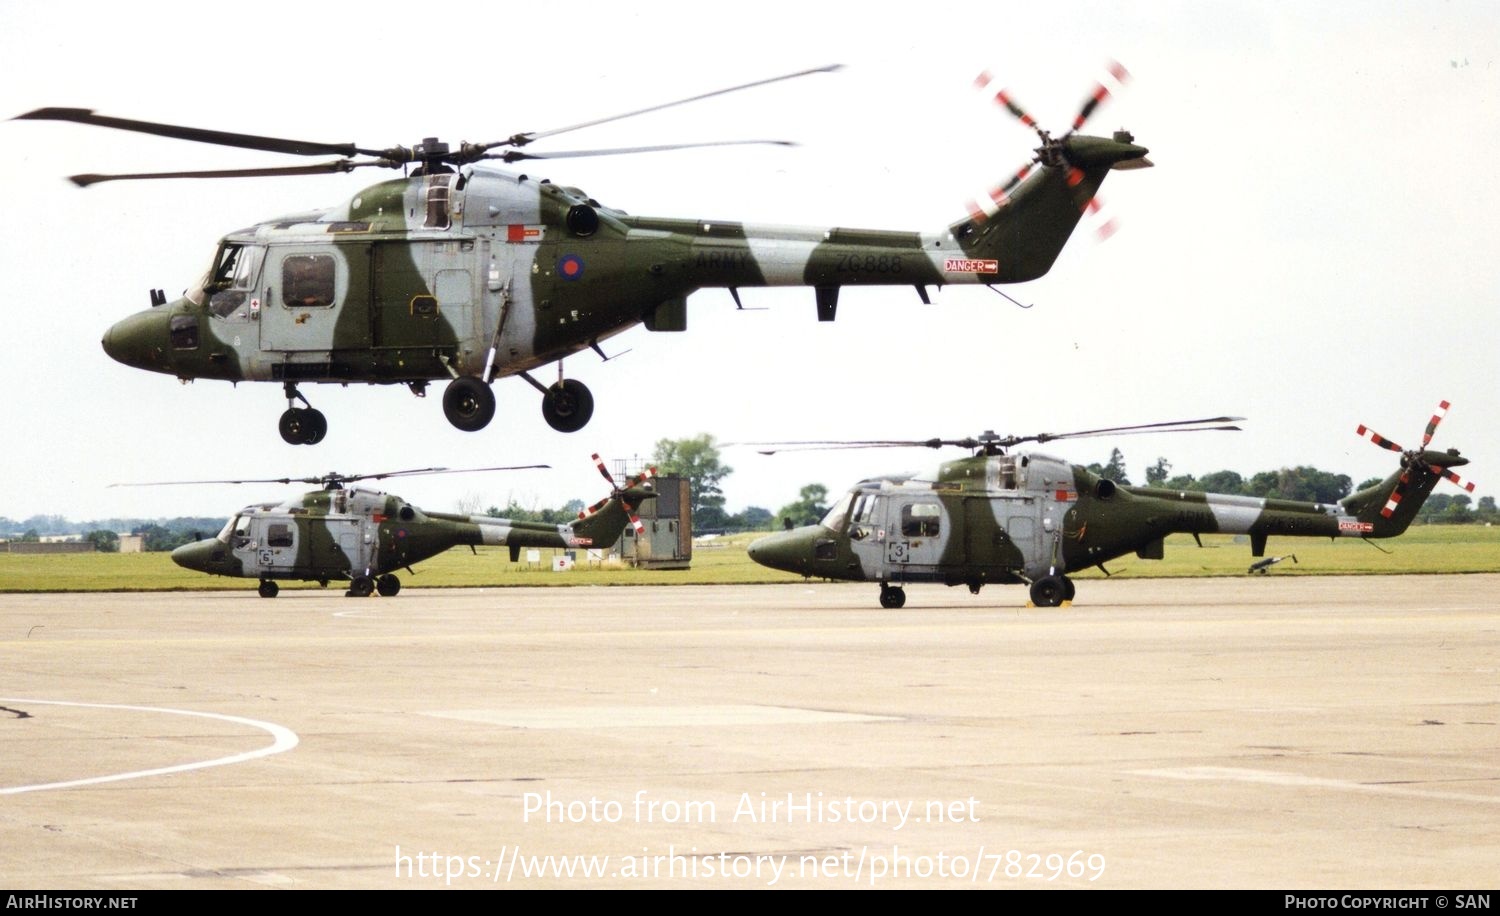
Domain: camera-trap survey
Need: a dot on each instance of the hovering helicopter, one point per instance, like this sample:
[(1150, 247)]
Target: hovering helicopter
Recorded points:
[(997, 517), (362, 536), (467, 274)]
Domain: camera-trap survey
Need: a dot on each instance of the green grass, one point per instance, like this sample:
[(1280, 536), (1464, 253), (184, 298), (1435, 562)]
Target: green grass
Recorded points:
[(1426, 549)]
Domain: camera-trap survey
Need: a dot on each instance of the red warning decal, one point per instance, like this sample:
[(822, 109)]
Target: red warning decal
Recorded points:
[(970, 266)]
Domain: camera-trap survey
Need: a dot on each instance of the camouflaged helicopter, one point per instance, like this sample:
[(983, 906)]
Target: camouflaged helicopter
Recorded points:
[(363, 536), (466, 274), (998, 518)]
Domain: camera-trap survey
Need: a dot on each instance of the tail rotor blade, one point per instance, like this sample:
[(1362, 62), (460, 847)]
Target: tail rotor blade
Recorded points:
[(1432, 425), (1100, 95), (1444, 472), (1394, 499), (1377, 438), (1003, 98), (603, 471)]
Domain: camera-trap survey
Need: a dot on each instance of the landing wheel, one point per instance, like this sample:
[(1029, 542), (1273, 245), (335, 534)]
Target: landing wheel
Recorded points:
[(568, 405), (387, 585), (1068, 588), (1049, 591), (303, 426), (361, 587), (268, 589), (468, 403), (892, 597)]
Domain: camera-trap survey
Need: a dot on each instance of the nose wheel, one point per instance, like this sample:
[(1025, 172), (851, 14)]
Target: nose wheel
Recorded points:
[(468, 403), (301, 425), (892, 596)]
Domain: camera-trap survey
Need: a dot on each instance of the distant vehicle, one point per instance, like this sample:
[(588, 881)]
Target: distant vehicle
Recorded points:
[(1028, 518)]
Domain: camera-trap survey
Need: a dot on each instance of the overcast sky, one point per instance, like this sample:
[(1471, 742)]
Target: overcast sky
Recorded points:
[(1315, 249)]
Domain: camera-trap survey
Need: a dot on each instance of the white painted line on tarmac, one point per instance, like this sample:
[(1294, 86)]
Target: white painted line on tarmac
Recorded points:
[(1294, 780), (593, 717), (285, 740)]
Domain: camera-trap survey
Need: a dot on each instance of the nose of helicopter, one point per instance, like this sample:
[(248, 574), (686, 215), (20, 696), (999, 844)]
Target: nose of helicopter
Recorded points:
[(196, 556), (785, 550), (140, 340)]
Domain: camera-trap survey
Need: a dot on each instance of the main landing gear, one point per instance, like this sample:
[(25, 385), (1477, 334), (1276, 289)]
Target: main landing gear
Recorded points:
[(363, 586), (301, 425), (1051, 591), (468, 403), (567, 404)]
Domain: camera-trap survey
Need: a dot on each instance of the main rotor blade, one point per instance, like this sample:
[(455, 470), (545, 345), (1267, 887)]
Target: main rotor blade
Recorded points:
[(414, 473), (1169, 426), (517, 155), (193, 483), (815, 445), (323, 168), (198, 135), (1045, 437), (526, 137), (325, 478)]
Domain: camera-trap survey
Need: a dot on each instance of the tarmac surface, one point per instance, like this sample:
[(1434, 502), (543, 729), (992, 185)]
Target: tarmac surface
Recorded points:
[(1297, 732)]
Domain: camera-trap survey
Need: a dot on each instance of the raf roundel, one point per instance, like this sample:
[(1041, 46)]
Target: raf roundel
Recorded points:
[(570, 267)]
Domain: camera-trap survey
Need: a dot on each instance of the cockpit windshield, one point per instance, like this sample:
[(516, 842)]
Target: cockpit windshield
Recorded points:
[(228, 530), (230, 283), (834, 520)]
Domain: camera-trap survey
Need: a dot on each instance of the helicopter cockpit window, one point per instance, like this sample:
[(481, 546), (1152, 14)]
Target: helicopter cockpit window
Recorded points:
[(861, 506), (278, 535), (921, 520), (234, 278), (834, 520), (227, 531), (239, 532), (307, 281)]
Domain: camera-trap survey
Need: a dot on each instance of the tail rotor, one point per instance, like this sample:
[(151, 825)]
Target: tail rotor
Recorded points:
[(1412, 460), (620, 493), (1052, 151)]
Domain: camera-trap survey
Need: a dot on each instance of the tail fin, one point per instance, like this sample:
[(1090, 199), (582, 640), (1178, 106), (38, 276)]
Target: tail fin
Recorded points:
[(1391, 505), (1028, 227)]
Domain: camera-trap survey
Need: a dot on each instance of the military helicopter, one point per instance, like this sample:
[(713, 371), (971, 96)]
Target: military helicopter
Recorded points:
[(466, 274), (361, 536), (998, 517)]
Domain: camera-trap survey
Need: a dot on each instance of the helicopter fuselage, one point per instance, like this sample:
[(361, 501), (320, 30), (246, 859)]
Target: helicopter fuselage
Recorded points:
[(362, 536), (1032, 518), (477, 274)]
